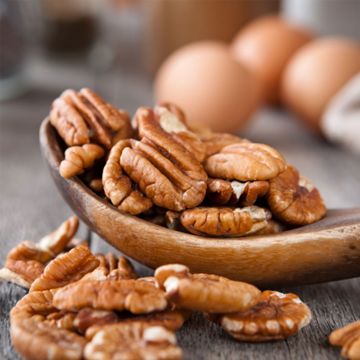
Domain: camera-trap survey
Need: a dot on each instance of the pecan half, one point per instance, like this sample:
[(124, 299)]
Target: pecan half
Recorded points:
[(118, 186), (204, 292), (245, 162), (223, 221), (79, 158), (172, 120), (348, 337), (26, 262), (215, 142), (164, 170), (294, 200), (135, 296), (135, 340), (224, 192), (66, 268), (37, 340), (81, 117), (276, 316)]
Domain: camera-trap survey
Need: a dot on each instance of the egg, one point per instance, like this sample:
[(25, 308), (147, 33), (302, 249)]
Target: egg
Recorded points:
[(316, 73), (211, 87), (265, 47)]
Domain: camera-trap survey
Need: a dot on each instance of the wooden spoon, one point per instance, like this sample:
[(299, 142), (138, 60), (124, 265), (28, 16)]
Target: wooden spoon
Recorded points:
[(324, 251)]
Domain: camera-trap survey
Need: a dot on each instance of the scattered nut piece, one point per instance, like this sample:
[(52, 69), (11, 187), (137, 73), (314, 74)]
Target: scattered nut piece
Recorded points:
[(79, 158), (245, 162), (275, 316), (81, 117), (294, 200), (117, 185), (204, 292), (138, 297), (222, 221), (26, 262), (37, 340), (348, 337), (134, 340), (66, 268)]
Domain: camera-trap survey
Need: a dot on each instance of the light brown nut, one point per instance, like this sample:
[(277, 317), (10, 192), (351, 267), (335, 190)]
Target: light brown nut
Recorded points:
[(164, 181), (172, 320), (225, 192), (225, 221), (276, 316), (35, 335), (81, 117), (215, 142), (151, 132), (117, 185), (138, 297), (348, 337), (79, 158), (96, 185), (56, 241), (66, 268), (245, 162), (172, 120), (37, 340), (134, 340), (294, 200), (69, 123), (203, 292), (88, 317), (26, 261)]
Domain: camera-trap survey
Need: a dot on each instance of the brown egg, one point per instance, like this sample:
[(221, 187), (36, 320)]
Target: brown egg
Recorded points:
[(265, 47), (210, 85), (316, 73)]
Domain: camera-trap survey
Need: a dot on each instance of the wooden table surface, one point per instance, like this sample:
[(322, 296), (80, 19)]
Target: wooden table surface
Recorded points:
[(30, 207)]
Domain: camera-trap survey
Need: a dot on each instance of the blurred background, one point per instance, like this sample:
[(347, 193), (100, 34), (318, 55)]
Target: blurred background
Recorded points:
[(279, 72)]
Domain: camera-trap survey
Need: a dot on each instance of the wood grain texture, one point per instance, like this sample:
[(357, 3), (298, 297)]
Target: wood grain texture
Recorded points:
[(30, 206)]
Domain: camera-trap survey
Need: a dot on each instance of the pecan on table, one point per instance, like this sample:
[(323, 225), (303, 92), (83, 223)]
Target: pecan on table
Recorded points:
[(295, 200), (275, 316), (136, 340), (162, 168), (83, 117), (204, 292), (348, 337), (79, 158), (34, 337), (26, 262), (138, 297), (245, 162), (225, 192), (66, 268), (117, 185), (225, 221)]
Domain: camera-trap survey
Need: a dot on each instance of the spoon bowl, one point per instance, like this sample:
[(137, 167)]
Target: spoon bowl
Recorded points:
[(323, 251)]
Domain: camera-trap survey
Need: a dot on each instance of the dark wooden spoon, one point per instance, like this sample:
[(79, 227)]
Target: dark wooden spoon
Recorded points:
[(324, 251)]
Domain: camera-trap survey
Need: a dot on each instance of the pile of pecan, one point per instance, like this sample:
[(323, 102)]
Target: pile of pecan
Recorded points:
[(158, 167), (86, 306)]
